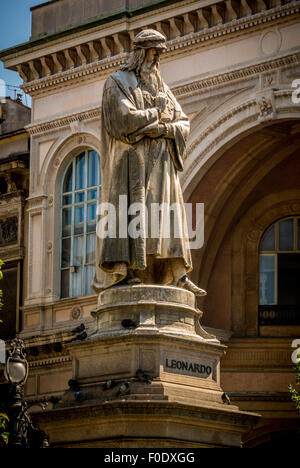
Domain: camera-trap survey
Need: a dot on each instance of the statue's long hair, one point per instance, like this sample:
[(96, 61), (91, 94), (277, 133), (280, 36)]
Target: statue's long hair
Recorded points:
[(135, 61)]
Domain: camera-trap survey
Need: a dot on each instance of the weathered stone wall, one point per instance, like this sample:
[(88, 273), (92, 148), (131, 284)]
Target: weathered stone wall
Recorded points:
[(14, 116), (55, 16)]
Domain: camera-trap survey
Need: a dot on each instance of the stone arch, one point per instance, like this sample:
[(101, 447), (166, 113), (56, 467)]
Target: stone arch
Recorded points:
[(61, 153), (229, 194), (228, 197), (227, 125)]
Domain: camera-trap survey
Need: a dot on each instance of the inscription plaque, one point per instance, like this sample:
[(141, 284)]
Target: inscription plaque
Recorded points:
[(189, 367)]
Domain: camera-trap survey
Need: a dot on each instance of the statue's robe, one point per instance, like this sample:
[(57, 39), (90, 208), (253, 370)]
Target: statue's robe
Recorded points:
[(145, 169)]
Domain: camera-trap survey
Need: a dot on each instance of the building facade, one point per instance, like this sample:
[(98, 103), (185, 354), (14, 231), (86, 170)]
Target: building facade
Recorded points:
[(233, 65), (14, 186)]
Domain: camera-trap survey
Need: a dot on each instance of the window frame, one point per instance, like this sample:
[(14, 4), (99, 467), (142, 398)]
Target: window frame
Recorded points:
[(277, 250), (278, 314), (83, 266)]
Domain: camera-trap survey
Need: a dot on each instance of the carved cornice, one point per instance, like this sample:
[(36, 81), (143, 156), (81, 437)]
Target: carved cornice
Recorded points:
[(246, 72), (83, 72), (50, 361), (183, 91), (65, 121), (189, 30), (235, 26)]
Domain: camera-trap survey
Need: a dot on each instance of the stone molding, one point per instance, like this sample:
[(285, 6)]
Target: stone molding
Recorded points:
[(187, 30), (37, 204), (242, 117), (257, 353), (65, 121), (243, 73), (51, 361), (183, 91), (129, 408)]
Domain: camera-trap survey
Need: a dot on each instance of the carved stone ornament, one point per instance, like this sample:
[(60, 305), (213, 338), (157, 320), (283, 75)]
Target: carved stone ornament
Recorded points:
[(266, 105), (9, 230), (76, 312)]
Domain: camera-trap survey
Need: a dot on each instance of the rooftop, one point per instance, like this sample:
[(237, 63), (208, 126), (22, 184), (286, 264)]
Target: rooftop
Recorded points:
[(58, 18)]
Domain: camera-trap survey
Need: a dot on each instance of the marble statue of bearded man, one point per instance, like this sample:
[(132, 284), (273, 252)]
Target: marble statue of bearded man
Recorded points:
[(144, 134)]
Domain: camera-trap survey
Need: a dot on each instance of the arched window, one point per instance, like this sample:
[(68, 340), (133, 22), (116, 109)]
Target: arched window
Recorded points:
[(279, 274), (79, 198)]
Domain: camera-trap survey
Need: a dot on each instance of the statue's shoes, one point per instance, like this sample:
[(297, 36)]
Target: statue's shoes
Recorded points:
[(190, 286)]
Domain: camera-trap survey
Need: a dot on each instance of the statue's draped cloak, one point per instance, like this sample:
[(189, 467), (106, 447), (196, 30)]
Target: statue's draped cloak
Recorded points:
[(146, 171)]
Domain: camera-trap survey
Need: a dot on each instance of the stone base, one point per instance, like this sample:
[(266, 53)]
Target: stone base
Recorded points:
[(154, 385), (153, 308)]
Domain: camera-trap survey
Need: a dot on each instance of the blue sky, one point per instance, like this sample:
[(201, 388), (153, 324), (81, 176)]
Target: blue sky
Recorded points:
[(15, 28)]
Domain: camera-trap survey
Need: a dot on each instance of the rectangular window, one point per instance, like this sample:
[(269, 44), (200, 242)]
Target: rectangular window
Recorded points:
[(267, 280), (288, 279)]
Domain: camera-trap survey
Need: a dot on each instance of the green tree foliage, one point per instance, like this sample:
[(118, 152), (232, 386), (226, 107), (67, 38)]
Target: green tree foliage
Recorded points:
[(295, 394), (3, 433)]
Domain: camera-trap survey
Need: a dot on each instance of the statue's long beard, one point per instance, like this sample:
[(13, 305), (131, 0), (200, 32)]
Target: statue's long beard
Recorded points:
[(150, 77)]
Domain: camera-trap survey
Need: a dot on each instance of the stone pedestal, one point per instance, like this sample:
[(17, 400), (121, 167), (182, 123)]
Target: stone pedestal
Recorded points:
[(154, 382), (152, 308)]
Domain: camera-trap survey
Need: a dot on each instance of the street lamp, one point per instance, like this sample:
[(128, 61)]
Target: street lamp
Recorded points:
[(22, 432), (16, 369)]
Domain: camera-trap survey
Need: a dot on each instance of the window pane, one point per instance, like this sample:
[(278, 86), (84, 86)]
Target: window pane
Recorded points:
[(79, 219), (91, 215), (68, 180), (80, 171), (92, 194), (65, 283), (66, 222), (286, 235), (288, 279), (66, 252), (67, 199), (90, 248), (267, 279), (77, 282), (79, 197), (268, 240), (89, 275), (78, 250), (93, 169)]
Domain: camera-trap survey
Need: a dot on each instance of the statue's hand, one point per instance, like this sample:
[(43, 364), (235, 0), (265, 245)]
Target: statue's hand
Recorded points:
[(157, 131), (160, 103)]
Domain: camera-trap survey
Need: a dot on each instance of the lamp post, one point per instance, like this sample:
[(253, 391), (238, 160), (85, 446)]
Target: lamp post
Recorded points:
[(22, 432)]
